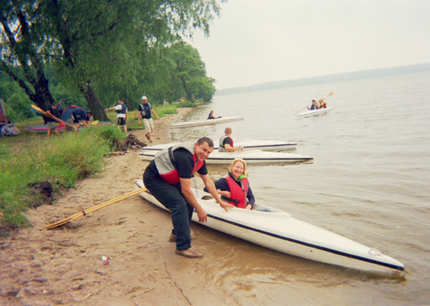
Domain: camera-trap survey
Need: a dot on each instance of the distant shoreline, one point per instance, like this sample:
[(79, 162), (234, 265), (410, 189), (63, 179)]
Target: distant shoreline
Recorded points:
[(346, 76)]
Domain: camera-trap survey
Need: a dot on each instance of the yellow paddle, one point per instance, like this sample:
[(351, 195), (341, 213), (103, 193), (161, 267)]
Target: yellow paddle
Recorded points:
[(85, 212)]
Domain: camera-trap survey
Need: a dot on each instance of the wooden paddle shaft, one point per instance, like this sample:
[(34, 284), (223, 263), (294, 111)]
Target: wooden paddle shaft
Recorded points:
[(85, 212)]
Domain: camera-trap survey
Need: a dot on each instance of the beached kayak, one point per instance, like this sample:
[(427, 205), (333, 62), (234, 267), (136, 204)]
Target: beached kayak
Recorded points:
[(277, 230), (264, 145), (250, 156), (206, 122), (316, 112)]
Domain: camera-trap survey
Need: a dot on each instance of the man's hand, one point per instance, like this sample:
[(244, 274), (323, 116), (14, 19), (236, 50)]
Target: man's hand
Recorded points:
[(225, 205), (203, 217)]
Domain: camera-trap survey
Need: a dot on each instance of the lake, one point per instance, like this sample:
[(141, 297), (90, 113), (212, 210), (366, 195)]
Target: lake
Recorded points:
[(369, 182)]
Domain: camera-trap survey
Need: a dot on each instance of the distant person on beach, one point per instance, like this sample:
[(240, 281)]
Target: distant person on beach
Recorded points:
[(51, 123), (168, 177), (121, 114), (145, 113), (212, 116), (322, 104), (234, 187), (75, 115), (226, 143)]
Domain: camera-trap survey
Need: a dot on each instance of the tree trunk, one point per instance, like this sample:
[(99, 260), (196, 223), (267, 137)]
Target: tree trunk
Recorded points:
[(93, 102), (186, 89)]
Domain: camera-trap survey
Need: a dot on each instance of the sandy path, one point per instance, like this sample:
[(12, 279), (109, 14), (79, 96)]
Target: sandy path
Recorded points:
[(64, 266)]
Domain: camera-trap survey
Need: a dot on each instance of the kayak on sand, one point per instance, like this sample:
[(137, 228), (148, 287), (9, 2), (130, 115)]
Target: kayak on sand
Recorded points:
[(264, 145), (275, 229), (251, 157)]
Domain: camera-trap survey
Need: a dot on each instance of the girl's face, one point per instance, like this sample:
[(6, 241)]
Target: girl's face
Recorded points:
[(237, 169)]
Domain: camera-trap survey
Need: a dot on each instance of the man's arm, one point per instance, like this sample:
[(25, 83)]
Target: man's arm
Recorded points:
[(189, 196), (155, 114), (210, 186)]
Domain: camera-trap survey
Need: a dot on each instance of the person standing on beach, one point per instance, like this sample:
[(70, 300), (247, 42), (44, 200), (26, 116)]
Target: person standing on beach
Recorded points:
[(121, 114), (51, 123), (168, 177), (145, 113), (226, 143)]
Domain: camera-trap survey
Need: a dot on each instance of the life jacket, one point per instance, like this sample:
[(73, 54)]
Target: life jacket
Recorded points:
[(145, 110), (237, 193), (165, 163), (123, 109), (221, 143)]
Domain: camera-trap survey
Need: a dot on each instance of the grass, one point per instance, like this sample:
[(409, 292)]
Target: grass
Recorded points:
[(60, 161), (30, 158)]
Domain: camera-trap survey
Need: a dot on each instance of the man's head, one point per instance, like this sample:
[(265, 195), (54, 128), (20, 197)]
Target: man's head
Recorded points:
[(227, 131), (144, 99), (120, 101), (203, 147)]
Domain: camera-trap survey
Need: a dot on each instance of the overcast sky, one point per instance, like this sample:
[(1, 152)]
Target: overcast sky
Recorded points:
[(255, 41)]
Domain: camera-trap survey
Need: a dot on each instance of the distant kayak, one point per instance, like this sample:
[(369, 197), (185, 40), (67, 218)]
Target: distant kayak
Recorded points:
[(316, 112), (251, 157), (206, 122), (264, 145)]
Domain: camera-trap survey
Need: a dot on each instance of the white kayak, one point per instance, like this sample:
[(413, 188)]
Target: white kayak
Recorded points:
[(316, 112), (206, 122), (251, 157), (277, 230), (264, 145)]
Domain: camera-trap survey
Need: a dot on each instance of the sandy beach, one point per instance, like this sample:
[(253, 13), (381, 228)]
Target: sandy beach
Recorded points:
[(64, 266)]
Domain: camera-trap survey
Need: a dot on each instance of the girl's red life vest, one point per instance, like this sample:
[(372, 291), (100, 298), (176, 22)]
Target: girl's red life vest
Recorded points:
[(221, 143), (165, 163), (237, 193)]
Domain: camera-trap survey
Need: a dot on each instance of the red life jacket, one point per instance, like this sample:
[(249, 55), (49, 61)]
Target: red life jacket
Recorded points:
[(237, 193), (165, 164)]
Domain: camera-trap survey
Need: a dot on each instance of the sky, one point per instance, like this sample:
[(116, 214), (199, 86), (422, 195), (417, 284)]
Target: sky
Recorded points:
[(255, 41)]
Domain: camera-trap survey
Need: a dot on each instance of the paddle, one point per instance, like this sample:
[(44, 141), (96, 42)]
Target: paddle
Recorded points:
[(85, 212), (53, 117)]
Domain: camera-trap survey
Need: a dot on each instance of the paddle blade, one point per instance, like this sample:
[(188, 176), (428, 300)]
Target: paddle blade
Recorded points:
[(330, 94)]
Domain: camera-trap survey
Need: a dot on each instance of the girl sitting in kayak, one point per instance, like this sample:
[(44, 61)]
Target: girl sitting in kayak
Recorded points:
[(234, 187), (212, 116)]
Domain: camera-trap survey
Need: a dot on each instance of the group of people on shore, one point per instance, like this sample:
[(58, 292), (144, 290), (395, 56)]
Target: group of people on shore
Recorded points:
[(58, 118), (168, 177), (317, 104), (144, 116)]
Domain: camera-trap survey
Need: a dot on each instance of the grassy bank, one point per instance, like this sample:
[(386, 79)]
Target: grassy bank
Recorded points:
[(60, 161)]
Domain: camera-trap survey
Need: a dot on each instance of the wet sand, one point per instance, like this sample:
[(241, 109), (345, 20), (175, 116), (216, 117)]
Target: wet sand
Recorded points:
[(64, 266)]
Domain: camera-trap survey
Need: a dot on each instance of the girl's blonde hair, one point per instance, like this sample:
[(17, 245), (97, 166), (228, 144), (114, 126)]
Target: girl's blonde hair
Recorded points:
[(236, 161)]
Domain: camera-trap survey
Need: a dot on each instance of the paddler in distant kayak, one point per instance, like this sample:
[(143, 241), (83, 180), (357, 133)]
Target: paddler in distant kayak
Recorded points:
[(314, 105), (169, 177), (212, 116), (234, 187), (226, 143)]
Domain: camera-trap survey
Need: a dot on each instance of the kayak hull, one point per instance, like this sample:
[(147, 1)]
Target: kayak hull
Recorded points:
[(264, 145), (206, 122), (317, 112), (251, 157), (277, 230)]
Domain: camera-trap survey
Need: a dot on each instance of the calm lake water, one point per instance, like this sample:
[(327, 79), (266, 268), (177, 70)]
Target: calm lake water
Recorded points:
[(369, 182)]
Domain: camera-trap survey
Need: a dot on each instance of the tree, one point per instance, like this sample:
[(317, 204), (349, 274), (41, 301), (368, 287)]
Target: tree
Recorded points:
[(93, 43)]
